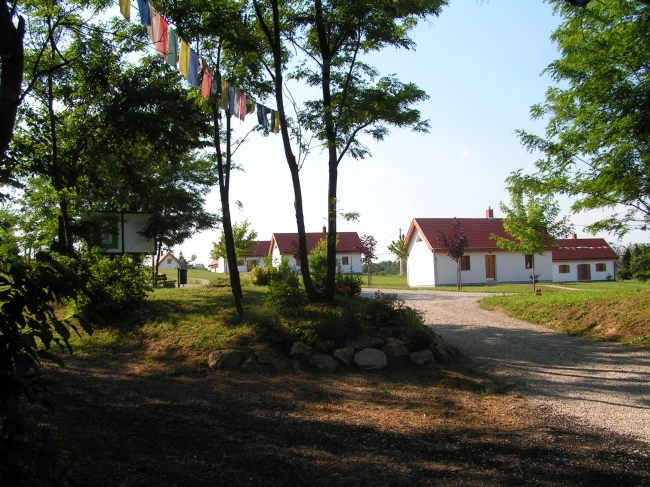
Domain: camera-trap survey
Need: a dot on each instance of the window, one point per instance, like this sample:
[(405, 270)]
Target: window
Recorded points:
[(240, 262), (297, 262), (345, 260), (601, 267), (464, 263), (564, 268), (254, 262), (169, 260), (529, 261)]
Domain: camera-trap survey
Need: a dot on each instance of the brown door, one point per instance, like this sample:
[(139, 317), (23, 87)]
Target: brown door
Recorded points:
[(490, 267), (584, 272)]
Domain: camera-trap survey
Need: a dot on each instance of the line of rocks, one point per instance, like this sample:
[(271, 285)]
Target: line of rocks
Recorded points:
[(366, 352)]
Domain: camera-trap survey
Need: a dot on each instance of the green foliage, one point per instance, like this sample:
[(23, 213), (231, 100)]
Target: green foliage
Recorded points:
[(385, 309), (416, 334), (634, 263), (595, 148), (318, 264), (244, 238), (285, 294), (29, 329), (383, 268), (349, 284), (116, 285), (399, 248)]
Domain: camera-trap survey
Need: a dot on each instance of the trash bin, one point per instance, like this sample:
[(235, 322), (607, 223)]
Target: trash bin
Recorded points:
[(182, 276)]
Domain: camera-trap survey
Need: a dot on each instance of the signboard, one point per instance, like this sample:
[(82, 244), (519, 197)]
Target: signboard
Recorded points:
[(120, 233)]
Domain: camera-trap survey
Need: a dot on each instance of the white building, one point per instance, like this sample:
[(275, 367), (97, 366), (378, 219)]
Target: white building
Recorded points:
[(583, 259), (483, 262), (253, 257), (283, 244)]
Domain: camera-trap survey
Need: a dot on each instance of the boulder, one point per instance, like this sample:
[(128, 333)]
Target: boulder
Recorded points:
[(370, 358), (275, 361), (396, 349), (345, 355), (224, 359), (422, 357), (364, 341), (438, 339), (442, 353), (323, 362), (300, 352)]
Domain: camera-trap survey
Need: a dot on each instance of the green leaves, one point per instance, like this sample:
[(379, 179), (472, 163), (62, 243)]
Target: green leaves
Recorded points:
[(597, 142)]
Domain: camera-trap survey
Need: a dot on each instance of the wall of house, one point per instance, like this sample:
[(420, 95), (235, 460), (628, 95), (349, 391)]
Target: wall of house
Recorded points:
[(165, 264), (354, 262), (221, 269), (419, 264), (572, 275), (509, 267)]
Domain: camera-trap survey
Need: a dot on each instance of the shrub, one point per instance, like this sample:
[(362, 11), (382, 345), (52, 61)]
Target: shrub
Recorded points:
[(336, 326), (115, 285), (416, 334), (349, 284), (262, 276), (385, 309), (283, 295)]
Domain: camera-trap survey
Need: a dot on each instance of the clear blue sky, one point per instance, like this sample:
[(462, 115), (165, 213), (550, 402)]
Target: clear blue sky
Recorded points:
[(481, 64)]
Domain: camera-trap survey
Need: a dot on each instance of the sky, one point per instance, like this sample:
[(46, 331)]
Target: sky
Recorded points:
[(480, 62)]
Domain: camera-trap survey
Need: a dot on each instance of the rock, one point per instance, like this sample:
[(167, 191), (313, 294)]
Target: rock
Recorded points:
[(422, 357), (224, 359), (276, 362), (364, 341), (250, 364), (442, 353), (438, 339), (345, 355), (396, 349), (370, 358), (300, 352), (323, 362)]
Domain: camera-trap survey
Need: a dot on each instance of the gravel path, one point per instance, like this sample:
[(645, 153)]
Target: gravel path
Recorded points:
[(602, 384)]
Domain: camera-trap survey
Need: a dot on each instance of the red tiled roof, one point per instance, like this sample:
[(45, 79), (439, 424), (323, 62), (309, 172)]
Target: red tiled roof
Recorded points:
[(477, 231), (214, 263), (583, 249), (347, 241), (259, 250)]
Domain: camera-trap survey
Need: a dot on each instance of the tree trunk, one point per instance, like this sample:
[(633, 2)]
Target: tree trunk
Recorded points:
[(13, 59), (532, 260), (459, 283), (224, 190), (274, 40)]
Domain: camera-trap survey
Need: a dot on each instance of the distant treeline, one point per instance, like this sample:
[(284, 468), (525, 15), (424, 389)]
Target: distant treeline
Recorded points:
[(386, 267)]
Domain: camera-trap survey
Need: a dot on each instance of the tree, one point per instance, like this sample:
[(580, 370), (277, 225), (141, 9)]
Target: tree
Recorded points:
[(398, 247), (634, 263), (596, 148), (367, 248), (531, 222), (334, 36), (455, 246), (244, 238)]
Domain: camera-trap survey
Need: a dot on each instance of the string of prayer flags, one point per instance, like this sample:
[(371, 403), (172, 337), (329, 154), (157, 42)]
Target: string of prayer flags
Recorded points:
[(125, 9), (214, 89), (154, 23), (172, 47), (231, 99), (224, 94), (143, 8)]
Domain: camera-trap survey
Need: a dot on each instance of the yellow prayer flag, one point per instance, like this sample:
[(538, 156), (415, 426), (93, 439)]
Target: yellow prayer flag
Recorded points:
[(184, 58), (125, 9)]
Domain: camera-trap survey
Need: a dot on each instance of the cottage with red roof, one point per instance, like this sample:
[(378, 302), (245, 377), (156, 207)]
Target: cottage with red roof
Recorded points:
[(583, 259), (588, 259), (483, 262), (253, 257), (282, 246)]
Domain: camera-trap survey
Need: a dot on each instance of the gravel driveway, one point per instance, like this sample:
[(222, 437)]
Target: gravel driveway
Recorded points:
[(602, 384)]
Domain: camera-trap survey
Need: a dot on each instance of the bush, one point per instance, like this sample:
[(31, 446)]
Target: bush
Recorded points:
[(262, 276), (115, 285), (385, 309), (349, 284), (283, 295), (336, 326), (416, 334)]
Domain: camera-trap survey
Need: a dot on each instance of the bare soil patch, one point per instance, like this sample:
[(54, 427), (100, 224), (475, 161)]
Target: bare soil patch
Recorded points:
[(145, 420)]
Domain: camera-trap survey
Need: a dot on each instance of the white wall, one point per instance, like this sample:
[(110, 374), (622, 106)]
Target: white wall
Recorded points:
[(242, 268), (572, 276), (419, 263), (354, 260), (165, 264), (509, 268)]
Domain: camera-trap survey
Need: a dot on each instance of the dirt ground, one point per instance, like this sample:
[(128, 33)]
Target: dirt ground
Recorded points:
[(143, 420)]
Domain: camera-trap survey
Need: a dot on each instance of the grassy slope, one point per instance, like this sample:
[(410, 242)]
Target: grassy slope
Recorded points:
[(603, 311)]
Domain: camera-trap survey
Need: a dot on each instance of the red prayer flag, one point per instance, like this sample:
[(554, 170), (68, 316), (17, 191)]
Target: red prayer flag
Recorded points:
[(208, 73), (162, 42)]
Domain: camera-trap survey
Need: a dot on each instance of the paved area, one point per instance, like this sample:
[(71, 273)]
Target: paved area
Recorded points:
[(603, 384)]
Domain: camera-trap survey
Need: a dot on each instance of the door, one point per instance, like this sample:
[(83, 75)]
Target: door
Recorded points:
[(584, 272), (490, 267)]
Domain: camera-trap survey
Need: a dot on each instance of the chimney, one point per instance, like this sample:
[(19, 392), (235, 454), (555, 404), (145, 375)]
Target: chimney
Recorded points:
[(489, 213), (324, 229), (574, 236)]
